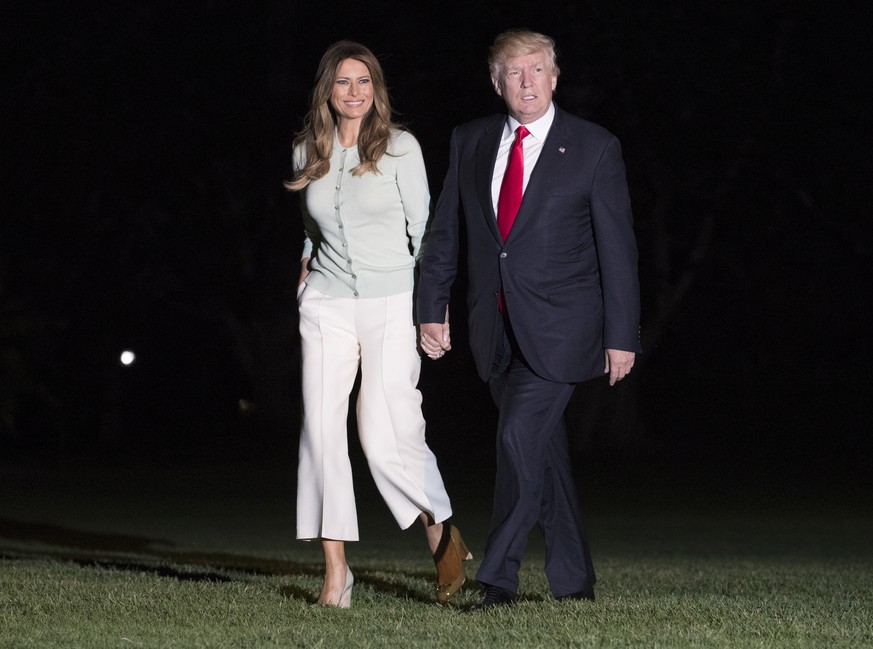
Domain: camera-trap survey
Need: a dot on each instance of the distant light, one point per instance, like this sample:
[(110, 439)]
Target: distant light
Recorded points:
[(127, 357)]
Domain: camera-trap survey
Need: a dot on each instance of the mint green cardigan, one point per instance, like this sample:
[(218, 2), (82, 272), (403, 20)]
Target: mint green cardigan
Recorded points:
[(364, 233)]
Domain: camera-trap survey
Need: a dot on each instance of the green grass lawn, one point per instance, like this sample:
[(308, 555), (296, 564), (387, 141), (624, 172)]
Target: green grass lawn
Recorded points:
[(137, 557)]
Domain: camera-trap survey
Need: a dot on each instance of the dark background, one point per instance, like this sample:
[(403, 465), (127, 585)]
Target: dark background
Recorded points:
[(145, 147)]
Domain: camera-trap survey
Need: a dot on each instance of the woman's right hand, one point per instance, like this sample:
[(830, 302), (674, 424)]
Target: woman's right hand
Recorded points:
[(304, 271)]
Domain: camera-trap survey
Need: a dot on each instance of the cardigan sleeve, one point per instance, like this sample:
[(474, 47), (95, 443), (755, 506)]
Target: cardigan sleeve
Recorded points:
[(411, 178), (298, 161)]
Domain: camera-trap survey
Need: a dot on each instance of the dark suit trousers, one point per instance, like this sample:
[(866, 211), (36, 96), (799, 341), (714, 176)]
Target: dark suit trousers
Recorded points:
[(534, 482)]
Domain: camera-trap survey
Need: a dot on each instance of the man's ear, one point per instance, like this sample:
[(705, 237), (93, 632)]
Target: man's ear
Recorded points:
[(496, 85)]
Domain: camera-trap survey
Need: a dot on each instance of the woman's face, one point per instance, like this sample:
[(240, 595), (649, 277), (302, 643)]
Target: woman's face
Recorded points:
[(352, 95)]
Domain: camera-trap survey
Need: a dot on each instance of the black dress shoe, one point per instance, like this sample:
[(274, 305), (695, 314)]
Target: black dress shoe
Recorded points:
[(581, 595), (493, 596)]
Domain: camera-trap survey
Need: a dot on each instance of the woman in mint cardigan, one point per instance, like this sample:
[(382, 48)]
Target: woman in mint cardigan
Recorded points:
[(365, 203)]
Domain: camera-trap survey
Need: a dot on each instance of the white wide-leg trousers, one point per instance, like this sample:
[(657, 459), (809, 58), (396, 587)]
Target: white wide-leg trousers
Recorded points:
[(336, 335)]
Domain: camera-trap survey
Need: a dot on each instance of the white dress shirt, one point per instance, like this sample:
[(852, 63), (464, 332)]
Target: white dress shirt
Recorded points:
[(533, 145)]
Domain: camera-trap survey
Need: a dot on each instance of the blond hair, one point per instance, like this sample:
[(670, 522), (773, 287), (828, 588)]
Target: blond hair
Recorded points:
[(519, 42), (317, 135)]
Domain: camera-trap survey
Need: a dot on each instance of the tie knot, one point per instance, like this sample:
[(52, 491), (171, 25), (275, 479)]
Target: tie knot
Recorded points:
[(521, 132)]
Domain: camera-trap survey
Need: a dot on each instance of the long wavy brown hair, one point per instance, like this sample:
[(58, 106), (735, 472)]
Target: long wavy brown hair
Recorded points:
[(319, 125)]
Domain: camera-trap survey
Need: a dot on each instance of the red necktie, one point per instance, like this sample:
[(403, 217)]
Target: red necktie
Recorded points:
[(509, 199)]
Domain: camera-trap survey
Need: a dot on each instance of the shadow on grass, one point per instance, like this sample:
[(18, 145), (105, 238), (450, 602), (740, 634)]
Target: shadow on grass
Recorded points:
[(62, 536), (132, 553), (157, 557)]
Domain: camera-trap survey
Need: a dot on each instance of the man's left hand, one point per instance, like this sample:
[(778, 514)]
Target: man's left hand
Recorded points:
[(618, 364)]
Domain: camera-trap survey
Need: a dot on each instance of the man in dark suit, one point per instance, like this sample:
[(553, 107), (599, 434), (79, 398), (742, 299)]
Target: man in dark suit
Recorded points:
[(553, 298)]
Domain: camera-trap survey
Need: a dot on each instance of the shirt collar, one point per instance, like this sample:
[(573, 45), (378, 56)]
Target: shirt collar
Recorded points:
[(539, 129)]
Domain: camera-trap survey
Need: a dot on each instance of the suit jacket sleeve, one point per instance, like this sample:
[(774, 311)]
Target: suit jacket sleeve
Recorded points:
[(439, 261), (612, 223)]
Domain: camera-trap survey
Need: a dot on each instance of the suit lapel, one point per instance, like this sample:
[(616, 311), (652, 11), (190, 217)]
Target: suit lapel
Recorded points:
[(486, 157)]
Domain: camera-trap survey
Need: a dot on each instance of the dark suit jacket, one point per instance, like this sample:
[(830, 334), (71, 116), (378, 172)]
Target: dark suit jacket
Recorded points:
[(568, 267)]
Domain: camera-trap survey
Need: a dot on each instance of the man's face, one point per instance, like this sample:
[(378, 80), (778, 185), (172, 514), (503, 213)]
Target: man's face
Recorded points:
[(526, 85)]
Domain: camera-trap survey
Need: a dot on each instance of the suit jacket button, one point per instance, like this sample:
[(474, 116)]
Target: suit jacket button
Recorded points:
[(503, 255)]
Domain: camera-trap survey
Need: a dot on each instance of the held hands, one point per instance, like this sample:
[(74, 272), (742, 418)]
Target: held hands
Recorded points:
[(618, 364), (435, 338)]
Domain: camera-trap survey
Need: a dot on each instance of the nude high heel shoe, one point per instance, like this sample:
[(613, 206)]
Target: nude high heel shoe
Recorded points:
[(345, 598), (448, 558)]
